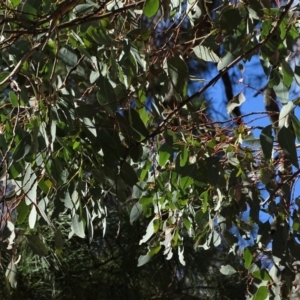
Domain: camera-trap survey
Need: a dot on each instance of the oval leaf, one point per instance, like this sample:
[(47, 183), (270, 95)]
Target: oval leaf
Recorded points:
[(266, 141), (36, 245), (286, 140), (22, 148), (227, 270), (261, 293), (150, 8), (135, 213)]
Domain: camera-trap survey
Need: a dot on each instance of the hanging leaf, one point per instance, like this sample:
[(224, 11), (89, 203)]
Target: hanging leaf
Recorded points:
[(23, 148), (136, 212), (13, 99), (143, 259), (285, 113), (149, 232), (136, 122), (150, 8), (247, 258), (23, 211), (36, 245), (59, 241), (30, 185), (286, 140), (68, 56), (266, 141), (90, 126), (165, 151), (296, 126), (227, 270), (183, 156), (282, 92), (32, 217), (178, 73), (288, 74), (225, 61), (107, 96), (128, 174), (11, 274), (235, 102), (181, 255), (261, 274), (261, 293), (78, 226), (206, 54)]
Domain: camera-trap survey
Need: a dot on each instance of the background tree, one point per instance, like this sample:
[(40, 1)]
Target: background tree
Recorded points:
[(102, 139)]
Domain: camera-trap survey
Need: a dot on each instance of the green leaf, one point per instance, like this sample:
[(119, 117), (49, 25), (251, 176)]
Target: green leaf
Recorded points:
[(68, 56), (201, 218), (235, 102), (146, 200), (136, 122), (30, 185), (154, 250), (178, 73), (22, 148), (204, 198), (143, 259), (11, 274), (82, 8), (78, 226), (296, 126), (150, 8), (128, 174), (45, 185), (285, 113), (261, 293), (227, 270), (36, 245), (136, 212), (265, 175), (266, 141), (99, 35), (164, 152), (183, 156), (90, 126), (30, 8), (206, 54), (23, 211), (13, 99), (15, 2), (3, 76), (225, 61), (185, 182), (139, 33), (288, 74), (181, 255), (282, 92), (286, 140), (32, 217), (149, 231), (247, 258), (58, 241), (261, 274), (230, 18), (107, 96)]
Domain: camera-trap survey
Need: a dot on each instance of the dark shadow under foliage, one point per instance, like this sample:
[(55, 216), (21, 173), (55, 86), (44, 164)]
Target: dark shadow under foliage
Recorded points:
[(107, 269)]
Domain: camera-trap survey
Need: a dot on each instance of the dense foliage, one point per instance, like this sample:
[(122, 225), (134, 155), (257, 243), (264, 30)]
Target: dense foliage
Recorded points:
[(102, 139)]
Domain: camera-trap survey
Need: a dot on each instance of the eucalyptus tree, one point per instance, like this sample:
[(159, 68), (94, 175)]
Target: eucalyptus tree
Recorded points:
[(96, 114)]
